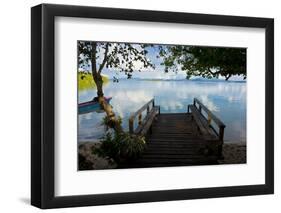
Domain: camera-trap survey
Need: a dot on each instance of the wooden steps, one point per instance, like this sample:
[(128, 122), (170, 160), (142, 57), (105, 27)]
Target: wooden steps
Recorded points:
[(174, 141), (177, 139)]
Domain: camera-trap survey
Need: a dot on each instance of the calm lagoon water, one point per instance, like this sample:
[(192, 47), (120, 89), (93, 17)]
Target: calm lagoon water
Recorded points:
[(227, 100)]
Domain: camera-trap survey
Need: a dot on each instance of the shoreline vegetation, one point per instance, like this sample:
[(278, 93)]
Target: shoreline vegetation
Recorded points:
[(233, 153), (85, 81), (195, 79)]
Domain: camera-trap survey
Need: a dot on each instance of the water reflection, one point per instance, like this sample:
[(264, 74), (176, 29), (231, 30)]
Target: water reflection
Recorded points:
[(226, 99)]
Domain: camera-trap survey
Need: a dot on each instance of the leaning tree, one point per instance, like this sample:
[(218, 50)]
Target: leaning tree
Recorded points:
[(208, 62), (120, 57)]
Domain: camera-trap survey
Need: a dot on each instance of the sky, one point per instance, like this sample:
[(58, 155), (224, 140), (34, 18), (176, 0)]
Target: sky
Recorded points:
[(149, 73)]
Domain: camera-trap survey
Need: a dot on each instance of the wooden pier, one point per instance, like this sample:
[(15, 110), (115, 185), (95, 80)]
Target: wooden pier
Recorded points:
[(177, 139)]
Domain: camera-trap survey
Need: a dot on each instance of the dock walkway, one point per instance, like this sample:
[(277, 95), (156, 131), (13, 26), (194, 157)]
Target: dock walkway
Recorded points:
[(177, 139)]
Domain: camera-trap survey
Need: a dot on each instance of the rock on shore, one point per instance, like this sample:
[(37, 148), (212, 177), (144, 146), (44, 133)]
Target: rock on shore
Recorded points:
[(234, 153), (89, 161)]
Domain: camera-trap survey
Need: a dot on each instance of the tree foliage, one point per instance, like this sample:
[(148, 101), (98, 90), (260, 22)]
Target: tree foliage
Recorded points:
[(123, 57), (207, 62)]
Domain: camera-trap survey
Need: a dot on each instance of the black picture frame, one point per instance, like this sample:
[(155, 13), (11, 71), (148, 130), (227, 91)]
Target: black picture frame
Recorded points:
[(43, 102)]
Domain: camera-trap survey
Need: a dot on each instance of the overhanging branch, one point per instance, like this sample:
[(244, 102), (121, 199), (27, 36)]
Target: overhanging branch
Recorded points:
[(213, 73)]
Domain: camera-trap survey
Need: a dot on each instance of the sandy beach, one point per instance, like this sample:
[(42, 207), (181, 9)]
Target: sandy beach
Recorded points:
[(234, 153)]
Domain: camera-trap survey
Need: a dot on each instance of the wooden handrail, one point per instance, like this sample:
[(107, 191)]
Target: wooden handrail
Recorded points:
[(138, 114), (144, 107), (211, 117), (209, 113)]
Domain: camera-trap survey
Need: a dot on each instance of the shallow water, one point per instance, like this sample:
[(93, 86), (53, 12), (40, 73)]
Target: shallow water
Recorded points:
[(227, 100)]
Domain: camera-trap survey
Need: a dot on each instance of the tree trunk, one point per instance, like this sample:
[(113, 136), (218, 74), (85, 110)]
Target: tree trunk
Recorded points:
[(113, 122)]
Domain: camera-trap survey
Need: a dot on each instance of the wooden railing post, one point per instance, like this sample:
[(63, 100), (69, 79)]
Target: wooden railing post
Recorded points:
[(221, 135), (220, 155), (149, 107), (209, 119), (131, 125), (140, 119)]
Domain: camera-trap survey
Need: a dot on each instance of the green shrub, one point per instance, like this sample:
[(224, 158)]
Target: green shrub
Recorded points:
[(121, 146), (133, 145)]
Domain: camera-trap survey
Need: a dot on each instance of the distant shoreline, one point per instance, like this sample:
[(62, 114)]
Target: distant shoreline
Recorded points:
[(191, 80)]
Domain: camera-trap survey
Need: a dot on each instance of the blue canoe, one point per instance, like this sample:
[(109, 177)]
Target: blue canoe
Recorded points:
[(91, 106)]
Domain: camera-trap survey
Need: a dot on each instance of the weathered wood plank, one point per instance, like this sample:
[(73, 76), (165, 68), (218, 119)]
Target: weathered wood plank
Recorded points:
[(202, 124), (146, 125), (174, 157), (180, 146), (177, 161), (149, 122), (174, 151)]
